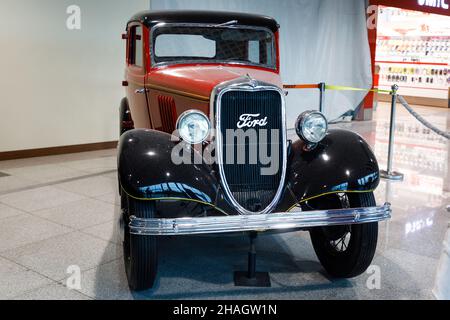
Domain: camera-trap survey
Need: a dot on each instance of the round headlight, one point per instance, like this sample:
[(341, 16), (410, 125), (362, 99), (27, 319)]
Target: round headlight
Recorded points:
[(311, 126), (193, 126)]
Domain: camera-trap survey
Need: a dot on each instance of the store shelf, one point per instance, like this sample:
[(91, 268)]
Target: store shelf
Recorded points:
[(414, 53), (415, 63)]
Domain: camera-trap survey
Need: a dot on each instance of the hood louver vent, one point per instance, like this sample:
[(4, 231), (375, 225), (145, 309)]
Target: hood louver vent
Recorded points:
[(168, 113)]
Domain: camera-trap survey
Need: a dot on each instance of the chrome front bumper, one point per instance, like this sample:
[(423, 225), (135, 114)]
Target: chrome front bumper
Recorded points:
[(262, 222)]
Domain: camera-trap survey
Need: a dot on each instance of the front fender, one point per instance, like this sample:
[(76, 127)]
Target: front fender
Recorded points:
[(342, 162), (147, 172)]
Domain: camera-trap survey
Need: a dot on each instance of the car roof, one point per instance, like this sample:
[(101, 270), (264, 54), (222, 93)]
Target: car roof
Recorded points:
[(151, 18)]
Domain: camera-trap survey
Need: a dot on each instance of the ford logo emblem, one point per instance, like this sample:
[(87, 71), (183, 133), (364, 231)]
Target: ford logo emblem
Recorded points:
[(248, 120)]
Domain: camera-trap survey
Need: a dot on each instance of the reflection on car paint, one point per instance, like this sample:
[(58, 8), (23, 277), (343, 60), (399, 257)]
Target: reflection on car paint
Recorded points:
[(340, 187), (364, 181), (368, 179), (173, 189)]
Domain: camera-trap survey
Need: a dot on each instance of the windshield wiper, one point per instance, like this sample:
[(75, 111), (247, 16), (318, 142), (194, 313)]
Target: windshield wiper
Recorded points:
[(228, 23)]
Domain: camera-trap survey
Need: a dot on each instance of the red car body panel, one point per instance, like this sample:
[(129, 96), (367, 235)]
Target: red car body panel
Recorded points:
[(190, 87), (201, 79)]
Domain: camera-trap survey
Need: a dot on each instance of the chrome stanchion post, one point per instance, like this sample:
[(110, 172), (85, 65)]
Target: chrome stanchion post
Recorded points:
[(322, 96), (389, 174)]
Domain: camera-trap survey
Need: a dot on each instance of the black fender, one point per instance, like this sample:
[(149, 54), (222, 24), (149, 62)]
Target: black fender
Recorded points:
[(125, 120), (147, 172), (342, 162)]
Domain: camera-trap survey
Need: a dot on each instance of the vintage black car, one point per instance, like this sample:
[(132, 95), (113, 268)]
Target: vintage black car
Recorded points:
[(204, 146)]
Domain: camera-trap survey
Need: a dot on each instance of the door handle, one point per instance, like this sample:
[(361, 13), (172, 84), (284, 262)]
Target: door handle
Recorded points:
[(141, 91)]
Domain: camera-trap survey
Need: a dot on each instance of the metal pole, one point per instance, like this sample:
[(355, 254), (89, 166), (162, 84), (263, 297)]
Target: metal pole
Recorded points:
[(389, 174), (392, 128), (251, 273), (251, 278), (322, 96)]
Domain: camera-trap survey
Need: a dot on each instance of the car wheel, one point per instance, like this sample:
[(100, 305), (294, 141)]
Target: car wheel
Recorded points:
[(346, 251), (140, 252)]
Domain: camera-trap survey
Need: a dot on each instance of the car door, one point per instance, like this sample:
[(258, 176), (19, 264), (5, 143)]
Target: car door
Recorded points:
[(135, 76)]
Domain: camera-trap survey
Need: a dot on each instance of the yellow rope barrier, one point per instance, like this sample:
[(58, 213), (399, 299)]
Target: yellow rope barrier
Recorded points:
[(332, 87), (343, 88)]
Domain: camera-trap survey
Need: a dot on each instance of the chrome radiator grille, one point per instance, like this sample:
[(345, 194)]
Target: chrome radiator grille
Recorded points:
[(248, 186)]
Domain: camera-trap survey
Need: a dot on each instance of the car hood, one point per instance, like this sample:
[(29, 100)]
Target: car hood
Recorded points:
[(201, 80)]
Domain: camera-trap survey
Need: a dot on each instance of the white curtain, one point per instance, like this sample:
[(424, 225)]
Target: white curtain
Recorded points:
[(320, 41)]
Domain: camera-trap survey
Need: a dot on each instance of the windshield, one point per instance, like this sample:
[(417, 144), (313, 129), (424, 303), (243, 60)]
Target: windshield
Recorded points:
[(209, 44)]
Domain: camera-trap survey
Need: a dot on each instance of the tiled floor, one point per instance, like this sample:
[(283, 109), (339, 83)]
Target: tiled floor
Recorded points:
[(57, 212)]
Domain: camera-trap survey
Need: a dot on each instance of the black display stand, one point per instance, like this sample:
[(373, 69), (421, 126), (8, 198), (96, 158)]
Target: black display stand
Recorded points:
[(251, 278)]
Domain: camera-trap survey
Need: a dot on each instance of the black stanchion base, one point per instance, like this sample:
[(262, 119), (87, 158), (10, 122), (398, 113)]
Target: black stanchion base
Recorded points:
[(391, 175), (261, 279)]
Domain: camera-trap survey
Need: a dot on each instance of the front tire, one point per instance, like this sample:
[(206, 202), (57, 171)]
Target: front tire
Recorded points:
[(140, 252), (346, 251)]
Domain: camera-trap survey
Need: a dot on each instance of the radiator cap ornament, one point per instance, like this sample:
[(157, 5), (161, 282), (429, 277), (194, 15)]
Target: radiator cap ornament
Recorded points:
[(251, 82)]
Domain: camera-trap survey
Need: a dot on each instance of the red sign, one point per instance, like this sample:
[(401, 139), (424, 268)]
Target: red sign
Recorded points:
[(429, 6)]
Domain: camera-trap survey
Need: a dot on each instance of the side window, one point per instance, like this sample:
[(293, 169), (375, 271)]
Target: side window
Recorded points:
[(136, 47), (253, 51), (268, 53), (260, 51)]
